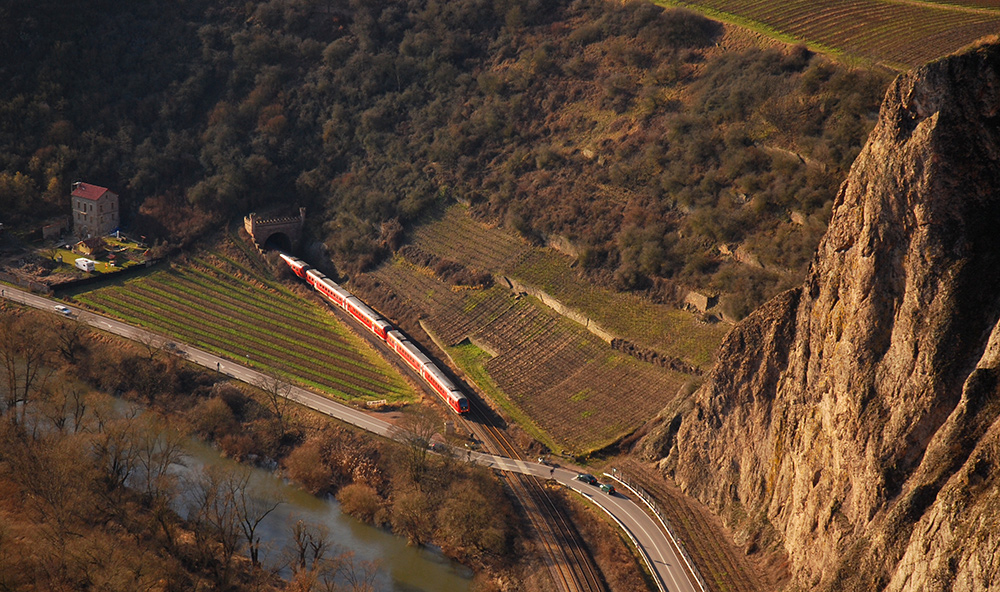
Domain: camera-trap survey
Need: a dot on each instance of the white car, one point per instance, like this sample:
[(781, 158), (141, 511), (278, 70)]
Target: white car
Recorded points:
[(63, 310)]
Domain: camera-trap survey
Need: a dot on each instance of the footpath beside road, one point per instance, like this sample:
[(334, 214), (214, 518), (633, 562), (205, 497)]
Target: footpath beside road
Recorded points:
[(645, 532)]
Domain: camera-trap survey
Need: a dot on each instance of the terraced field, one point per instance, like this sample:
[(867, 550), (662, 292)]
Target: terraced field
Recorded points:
[(217, 302), (897, 33), (564, 384), (672, 332)]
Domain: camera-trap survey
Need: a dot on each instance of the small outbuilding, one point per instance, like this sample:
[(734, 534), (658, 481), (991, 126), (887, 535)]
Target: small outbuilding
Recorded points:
[(93, 247)]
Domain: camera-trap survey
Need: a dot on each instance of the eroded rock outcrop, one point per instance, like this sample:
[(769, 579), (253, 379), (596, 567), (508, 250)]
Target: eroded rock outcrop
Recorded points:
[(854, 420)]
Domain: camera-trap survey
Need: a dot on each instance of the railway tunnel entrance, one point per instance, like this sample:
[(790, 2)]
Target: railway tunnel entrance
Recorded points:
[(276, 232), (278, 241)]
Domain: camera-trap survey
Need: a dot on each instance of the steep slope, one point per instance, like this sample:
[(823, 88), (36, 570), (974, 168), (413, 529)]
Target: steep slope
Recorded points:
[(854, 420)]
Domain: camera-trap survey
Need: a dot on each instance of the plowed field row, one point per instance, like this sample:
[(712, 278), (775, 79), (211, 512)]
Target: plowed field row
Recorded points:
[(468, 244), (890, 32), (457, 315), (218, 303), (570, 383), (286, 306), (662, 328), (257, 352), (310, 344), (223, 303)]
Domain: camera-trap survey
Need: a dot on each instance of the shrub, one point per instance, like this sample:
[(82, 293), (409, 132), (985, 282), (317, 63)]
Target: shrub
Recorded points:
[(307, 465), (362, 502)]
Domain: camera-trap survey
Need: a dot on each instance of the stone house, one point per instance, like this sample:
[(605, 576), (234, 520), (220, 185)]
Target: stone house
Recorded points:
[(95, 210)]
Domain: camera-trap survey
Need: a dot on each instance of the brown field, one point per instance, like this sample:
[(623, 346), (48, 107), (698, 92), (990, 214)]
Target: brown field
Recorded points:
[(549, 371), (673, 332), (897, 33)]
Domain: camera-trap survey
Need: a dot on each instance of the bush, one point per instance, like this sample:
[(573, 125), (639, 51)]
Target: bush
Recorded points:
[(307, 465), (213, 419), (362, 502)]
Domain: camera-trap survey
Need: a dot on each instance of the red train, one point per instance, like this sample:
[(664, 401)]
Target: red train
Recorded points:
[(383, 329)]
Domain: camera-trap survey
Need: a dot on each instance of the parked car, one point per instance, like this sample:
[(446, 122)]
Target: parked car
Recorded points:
[(63, 310), (587, 478), (608, 489)]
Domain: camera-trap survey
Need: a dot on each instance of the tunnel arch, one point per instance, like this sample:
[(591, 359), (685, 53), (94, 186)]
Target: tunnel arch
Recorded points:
[(278, 241)]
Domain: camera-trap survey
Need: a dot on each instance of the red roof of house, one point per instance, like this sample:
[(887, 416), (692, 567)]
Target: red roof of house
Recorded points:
[(88, 191)]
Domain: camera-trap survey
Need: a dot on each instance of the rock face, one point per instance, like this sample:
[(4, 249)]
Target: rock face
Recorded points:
[(854, 421)]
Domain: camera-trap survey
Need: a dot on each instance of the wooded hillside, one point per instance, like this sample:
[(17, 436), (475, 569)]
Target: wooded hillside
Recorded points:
[(664, 161)]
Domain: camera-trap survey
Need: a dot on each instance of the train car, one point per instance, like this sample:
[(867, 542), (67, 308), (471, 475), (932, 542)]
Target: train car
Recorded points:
[(413, 357), (458, 401), (444, 387), (406, 350), (334, 292), (368, 317), (313, 276), (327, 287), (298, 266)]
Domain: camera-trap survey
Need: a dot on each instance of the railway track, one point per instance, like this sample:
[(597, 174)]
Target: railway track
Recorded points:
[(570, 563), (572, 566)]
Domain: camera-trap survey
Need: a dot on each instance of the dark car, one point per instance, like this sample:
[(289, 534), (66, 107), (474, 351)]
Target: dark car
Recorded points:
[(608, 489), (587, 478)]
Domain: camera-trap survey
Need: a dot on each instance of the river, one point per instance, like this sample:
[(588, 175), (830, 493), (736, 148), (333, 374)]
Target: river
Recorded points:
[(402, 568)]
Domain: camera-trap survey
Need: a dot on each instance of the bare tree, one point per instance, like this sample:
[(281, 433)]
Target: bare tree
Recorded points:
[(150, 344), (215, 512), (412, 514), (232, 506), (276, 392), (24, 350), (116, 446), (359, 575), (253, 504), (415, 429), (69, 336), (306, 553), (158, 449), (63, 402)]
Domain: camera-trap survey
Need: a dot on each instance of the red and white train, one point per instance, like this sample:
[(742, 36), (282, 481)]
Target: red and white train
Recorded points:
[(383, 329)]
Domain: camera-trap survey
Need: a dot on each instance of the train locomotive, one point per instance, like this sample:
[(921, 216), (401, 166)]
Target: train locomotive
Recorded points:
[(383, 329)]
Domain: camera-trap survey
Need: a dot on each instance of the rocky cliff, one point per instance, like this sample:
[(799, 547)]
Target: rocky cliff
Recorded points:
[(854, 421)]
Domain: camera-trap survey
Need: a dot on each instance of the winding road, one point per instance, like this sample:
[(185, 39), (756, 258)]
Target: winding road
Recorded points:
[(645, 531)]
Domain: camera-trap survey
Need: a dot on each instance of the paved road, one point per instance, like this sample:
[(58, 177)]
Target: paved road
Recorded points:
[(660, 554)]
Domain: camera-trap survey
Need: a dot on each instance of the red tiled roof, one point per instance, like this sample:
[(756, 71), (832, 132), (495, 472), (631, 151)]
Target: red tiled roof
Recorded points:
[(88, 191)]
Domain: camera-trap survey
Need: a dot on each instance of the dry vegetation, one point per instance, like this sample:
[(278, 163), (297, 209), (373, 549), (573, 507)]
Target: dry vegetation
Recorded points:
[(87, 492), (620, 566), (898, 34), (547, 371), (725, 565), (483, 247), (617, 129)]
